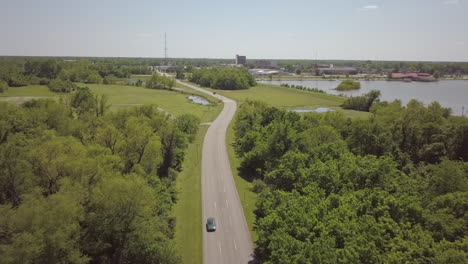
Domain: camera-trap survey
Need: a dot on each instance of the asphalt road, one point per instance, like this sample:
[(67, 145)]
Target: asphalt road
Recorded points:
[(231, 243)]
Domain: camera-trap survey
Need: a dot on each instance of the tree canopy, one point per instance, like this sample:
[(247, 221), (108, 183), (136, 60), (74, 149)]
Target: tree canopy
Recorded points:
[(79, 184), (388, 189), (223, 78)]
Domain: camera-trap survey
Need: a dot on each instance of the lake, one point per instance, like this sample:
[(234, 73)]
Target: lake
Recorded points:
[(449, 93)]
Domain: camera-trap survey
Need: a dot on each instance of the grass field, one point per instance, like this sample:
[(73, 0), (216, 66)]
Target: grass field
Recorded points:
[(188, 210), (288, 98), (121, 96), (30, 90)]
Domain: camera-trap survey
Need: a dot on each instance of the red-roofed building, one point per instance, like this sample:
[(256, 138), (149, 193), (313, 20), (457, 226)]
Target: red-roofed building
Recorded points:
[(423, 77)]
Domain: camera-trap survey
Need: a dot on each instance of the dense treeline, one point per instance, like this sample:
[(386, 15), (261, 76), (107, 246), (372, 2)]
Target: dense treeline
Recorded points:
[(16, 72), (80, 185), (223, 78), (389, 189)]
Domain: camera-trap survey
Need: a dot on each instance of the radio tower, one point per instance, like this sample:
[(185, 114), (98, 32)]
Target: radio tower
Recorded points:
[(165, 49)]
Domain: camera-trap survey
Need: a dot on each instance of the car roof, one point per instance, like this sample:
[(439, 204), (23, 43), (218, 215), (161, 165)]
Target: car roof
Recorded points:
[(211, 219)]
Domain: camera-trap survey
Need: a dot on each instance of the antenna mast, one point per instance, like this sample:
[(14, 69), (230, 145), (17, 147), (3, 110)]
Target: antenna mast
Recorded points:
[(165, 49)]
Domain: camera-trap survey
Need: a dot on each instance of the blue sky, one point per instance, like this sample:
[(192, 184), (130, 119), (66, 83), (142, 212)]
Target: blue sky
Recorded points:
[(298, 29)]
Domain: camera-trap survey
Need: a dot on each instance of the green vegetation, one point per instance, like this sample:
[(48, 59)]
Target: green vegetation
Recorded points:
[(223, 78), (287, 98), (61, 86), (125, 96), (388, 189), (160, 82), (348, 85), (362, 103), (82, 185), (188, 210), (3, 86), (28, 91), (300, 87), (19, 72), (244, 187)]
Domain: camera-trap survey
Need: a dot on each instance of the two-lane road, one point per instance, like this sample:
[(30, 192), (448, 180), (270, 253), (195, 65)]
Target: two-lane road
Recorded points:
[(231, 243)]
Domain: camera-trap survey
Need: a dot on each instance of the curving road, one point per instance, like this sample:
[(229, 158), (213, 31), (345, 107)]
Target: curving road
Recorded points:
[(231, 243)]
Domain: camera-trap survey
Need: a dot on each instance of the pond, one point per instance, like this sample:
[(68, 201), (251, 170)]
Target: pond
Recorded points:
[(318, 110), (198, 100), (449, 93)]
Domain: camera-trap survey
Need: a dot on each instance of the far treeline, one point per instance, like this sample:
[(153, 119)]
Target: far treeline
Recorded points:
[(61, 76), (81, 185), (223, 78), (389, 189)]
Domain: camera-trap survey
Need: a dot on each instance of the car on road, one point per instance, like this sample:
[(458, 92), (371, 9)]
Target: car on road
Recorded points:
[(210, 224)]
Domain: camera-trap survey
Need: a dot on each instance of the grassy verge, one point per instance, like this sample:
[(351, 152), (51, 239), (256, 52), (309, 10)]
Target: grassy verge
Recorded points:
[(188, 209), (244, 187), (288, 98)]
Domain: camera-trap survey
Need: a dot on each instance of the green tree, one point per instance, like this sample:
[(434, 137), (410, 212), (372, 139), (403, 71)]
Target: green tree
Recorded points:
[(61, 86), (110, 79), (3, 86)]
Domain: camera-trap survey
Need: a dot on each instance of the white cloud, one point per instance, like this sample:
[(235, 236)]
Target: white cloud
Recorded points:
[(368, 7), (451, 2)]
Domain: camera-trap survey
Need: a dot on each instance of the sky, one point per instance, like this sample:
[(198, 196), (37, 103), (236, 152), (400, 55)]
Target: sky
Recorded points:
[(410, 30)]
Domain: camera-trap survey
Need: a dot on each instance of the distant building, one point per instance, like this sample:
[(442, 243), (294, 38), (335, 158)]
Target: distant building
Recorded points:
[(263, 72), (337, 70), (241, 60), (266, 64), (323, 65), (413, 76)]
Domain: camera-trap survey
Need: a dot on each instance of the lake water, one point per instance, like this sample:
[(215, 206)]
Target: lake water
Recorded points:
[(198, 100), (448, 93)]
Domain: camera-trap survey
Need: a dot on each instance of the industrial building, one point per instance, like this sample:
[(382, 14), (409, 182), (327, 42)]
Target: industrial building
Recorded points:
[(241, 60)]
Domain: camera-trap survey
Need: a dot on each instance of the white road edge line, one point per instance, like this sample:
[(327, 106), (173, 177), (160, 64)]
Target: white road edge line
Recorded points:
[(219, 247), (235, 245)]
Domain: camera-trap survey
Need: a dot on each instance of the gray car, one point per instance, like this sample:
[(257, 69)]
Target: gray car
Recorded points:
[(210, 224)]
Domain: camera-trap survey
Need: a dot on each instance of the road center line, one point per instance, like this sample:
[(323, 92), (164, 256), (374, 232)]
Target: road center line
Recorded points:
[(215, 205), (235, 245), (219, 247), (227, 204)]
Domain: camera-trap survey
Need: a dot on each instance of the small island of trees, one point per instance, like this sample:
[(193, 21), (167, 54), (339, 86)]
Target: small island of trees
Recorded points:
[(348, 85)]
